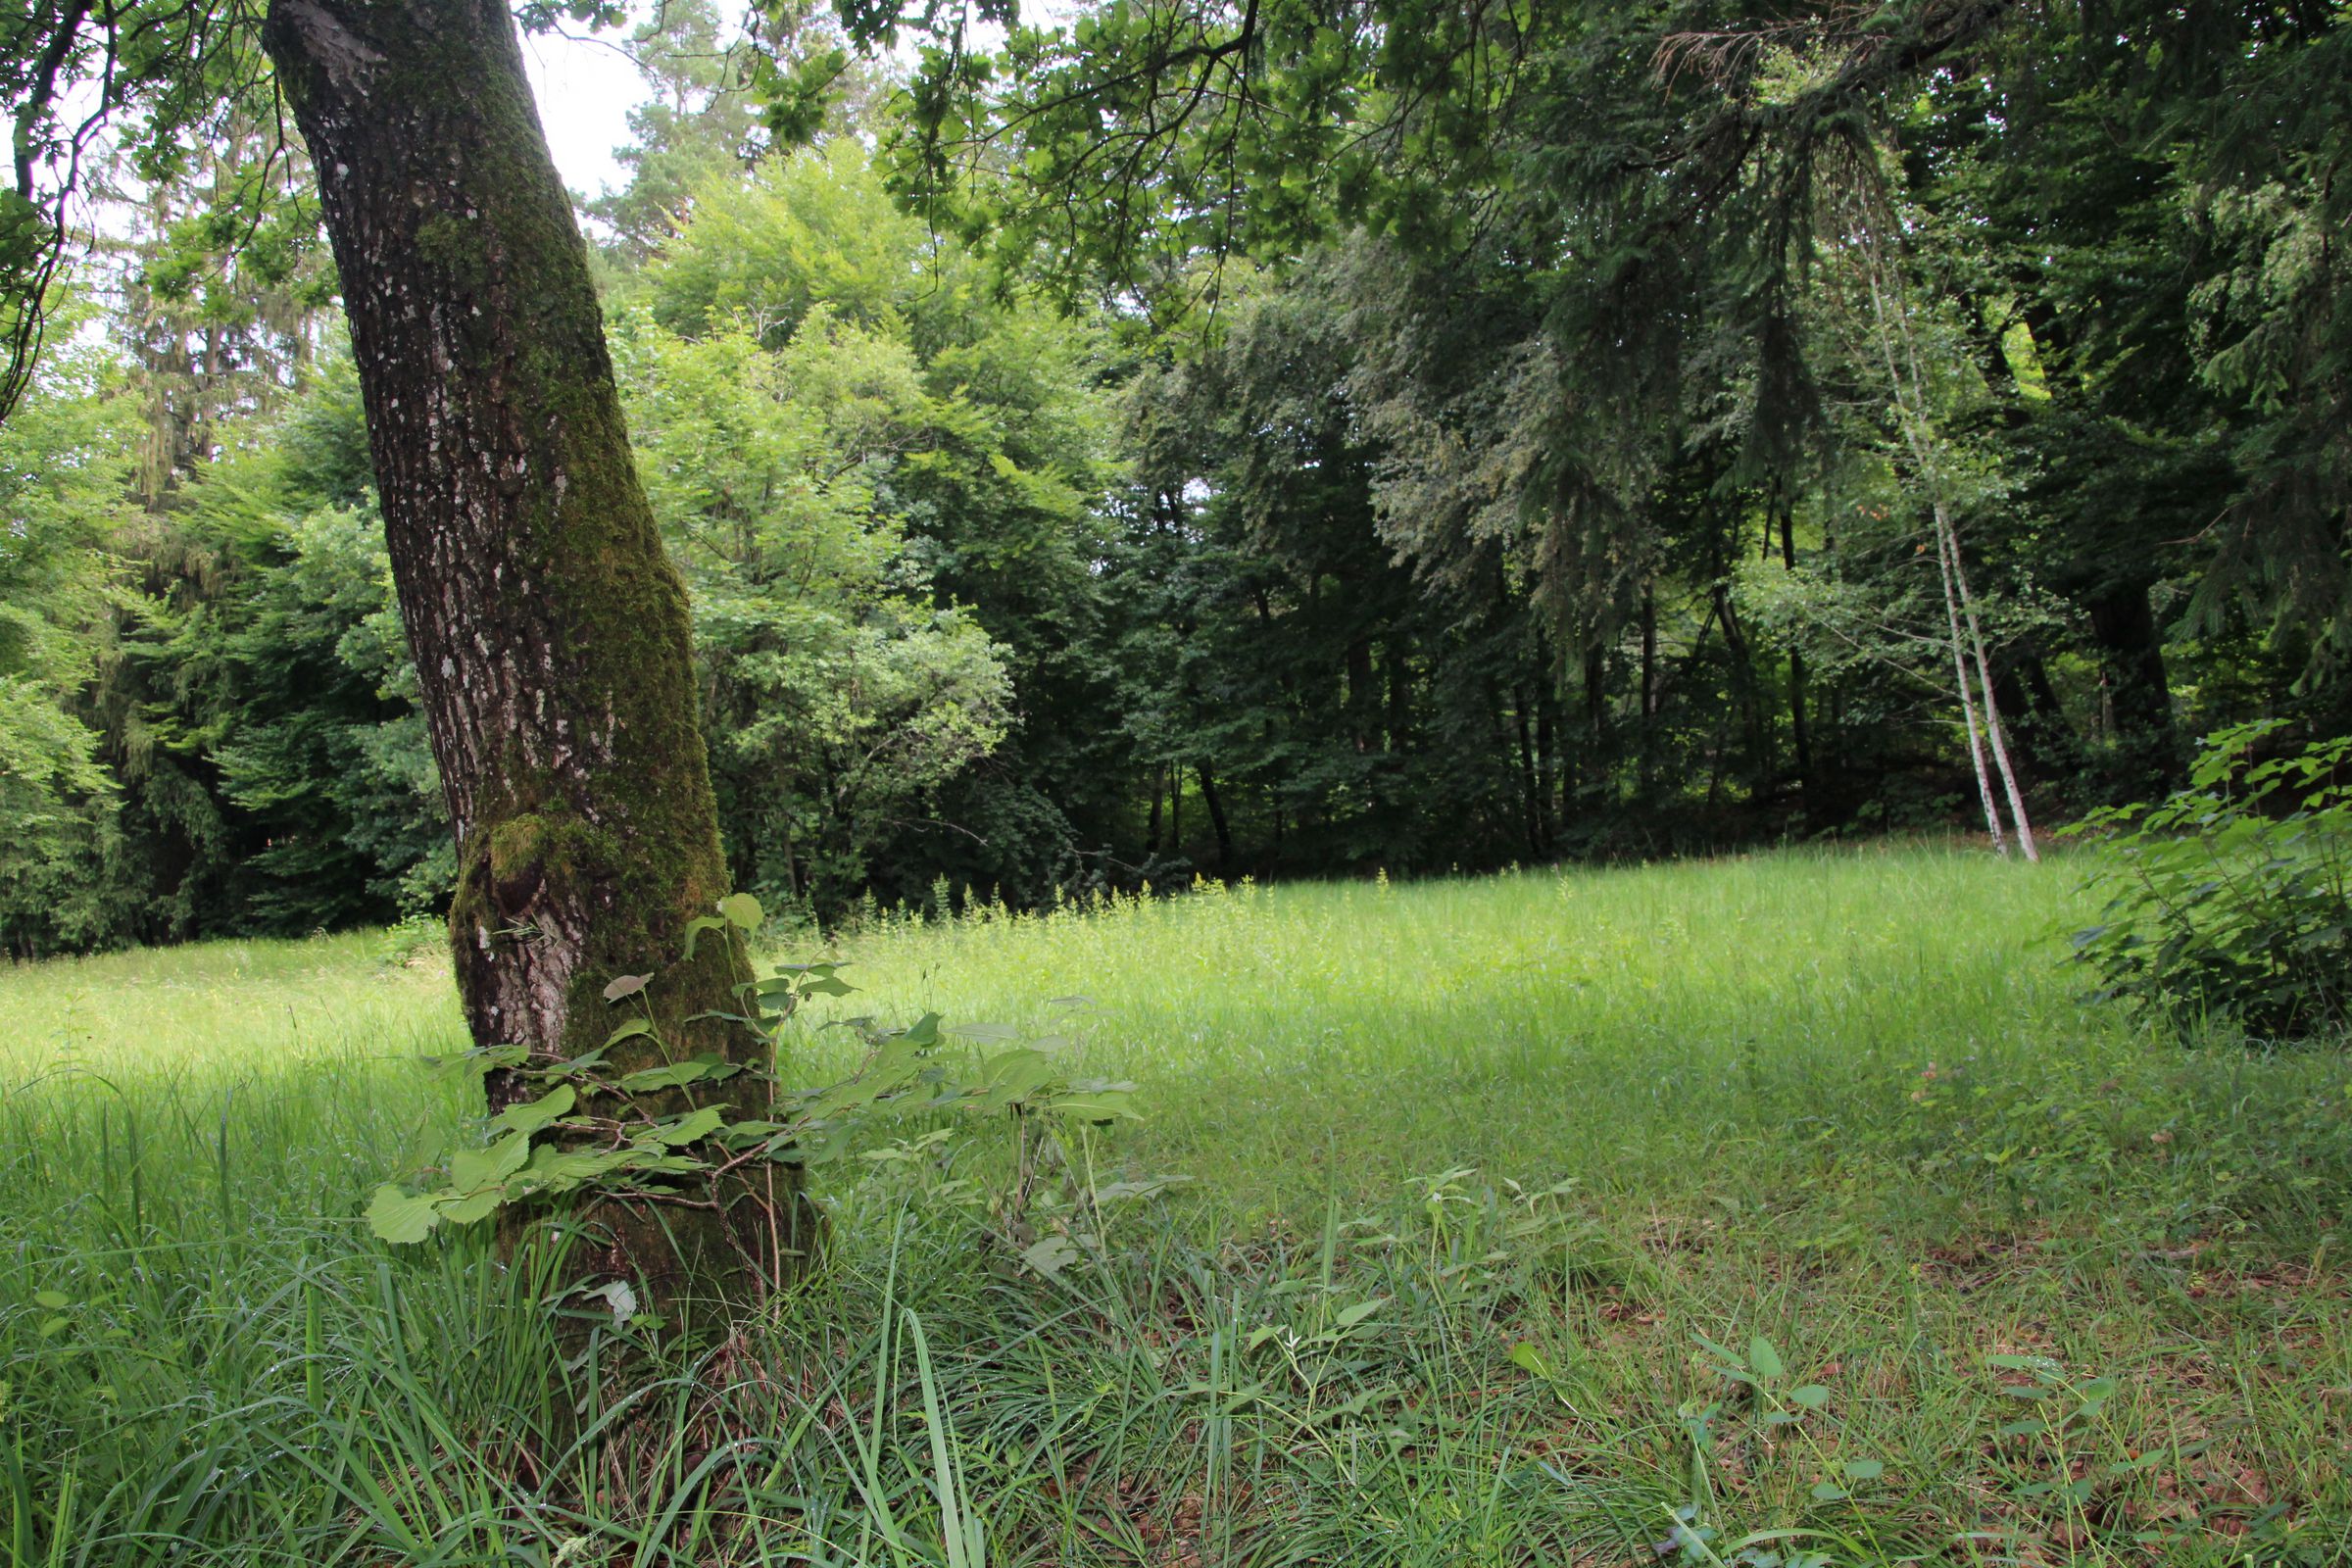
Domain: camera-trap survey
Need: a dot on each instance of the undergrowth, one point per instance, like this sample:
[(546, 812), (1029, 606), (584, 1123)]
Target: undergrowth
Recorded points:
[(2232, 897)]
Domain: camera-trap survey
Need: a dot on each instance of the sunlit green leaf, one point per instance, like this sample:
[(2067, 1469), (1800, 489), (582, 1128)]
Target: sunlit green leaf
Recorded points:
[(400, 1217)]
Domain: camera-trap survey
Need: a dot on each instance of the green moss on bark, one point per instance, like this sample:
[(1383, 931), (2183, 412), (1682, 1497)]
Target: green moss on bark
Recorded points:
[(551, 630)]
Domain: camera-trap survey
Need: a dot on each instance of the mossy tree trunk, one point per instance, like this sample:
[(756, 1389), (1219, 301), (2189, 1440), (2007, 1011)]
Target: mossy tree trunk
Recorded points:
[(550, 629)]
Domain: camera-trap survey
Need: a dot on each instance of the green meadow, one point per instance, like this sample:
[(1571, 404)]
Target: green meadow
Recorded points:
[(1792, 1208)]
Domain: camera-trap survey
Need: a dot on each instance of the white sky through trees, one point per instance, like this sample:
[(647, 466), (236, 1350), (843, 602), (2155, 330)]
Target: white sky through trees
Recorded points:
[(586, 87)]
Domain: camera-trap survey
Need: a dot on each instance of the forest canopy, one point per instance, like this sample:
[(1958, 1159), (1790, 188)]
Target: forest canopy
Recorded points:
[(1266, 439)]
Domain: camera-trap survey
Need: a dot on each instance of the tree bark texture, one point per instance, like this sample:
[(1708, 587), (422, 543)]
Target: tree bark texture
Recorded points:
[(550, 629)]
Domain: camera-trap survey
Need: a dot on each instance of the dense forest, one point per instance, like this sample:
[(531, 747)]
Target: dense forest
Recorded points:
[(1547, 432)]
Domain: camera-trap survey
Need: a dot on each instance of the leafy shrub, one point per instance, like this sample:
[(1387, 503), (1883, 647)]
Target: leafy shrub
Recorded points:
[(2233, 897), (604, 1133)]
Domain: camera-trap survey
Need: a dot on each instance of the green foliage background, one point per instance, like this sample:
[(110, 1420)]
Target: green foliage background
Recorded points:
[(1266, 439)]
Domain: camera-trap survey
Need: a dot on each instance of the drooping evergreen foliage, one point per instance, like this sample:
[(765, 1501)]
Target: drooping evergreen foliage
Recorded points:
[(1261, 439)]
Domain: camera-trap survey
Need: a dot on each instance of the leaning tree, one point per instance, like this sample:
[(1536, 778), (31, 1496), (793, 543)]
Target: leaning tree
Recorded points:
[(549, 627)]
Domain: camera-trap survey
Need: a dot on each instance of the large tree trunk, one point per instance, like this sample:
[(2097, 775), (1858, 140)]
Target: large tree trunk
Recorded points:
[(550, 630)]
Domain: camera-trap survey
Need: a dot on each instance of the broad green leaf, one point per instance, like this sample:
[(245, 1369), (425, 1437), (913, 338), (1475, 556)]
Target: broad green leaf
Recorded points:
[(676, 1075), (840, 1097), (742, 912), (687, 1128), (473, 1169), (696, 927), (1012, 1077), (627, 985), (1764, 1359), (561, 1170), (1051, 1255), (400, 1217), (534, 1115), (472, 1206)]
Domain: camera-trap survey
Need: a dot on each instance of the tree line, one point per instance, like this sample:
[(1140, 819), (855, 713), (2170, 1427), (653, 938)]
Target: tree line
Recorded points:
[(1265, 440)]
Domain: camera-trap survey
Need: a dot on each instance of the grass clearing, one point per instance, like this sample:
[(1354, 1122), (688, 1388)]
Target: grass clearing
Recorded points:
[(1557, 1217)]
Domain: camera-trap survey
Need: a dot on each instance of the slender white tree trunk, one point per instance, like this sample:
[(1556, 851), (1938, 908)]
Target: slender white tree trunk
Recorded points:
[(1968, 706), (1992, 710), (1911, 407)]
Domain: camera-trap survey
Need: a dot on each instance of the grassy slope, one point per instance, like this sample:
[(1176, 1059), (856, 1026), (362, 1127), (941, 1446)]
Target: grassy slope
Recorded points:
[(1844, 1103)]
